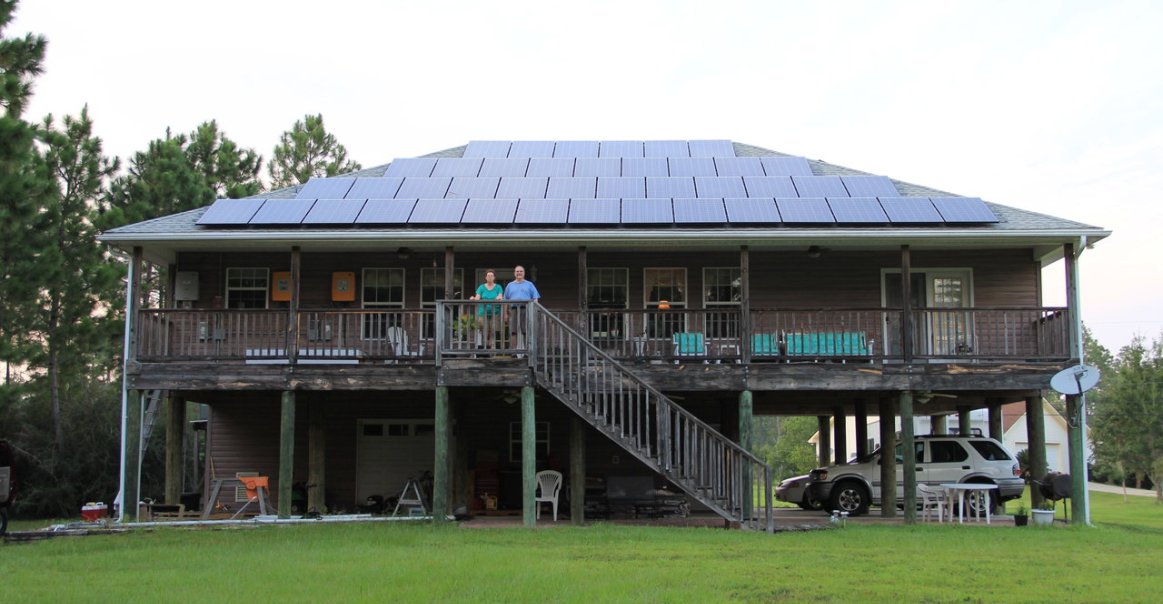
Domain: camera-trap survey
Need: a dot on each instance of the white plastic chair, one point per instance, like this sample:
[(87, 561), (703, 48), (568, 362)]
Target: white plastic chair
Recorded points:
[(933, 498), (548, 486), (398, 339)]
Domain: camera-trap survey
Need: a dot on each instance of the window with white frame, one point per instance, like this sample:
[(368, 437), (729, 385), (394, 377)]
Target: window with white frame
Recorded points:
[(541, 430), (607, 291), (722, 298), (246, 287), (382, 288), (432, 289), (663, 289)]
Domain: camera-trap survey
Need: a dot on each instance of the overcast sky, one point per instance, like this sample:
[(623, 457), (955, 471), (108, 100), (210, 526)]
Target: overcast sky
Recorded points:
[(1055, 107)]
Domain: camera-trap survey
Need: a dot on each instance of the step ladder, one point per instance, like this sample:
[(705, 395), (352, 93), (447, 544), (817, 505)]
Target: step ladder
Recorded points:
[(411, 498)]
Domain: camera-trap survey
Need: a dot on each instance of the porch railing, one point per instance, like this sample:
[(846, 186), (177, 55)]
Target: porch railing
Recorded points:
[(675, 335)]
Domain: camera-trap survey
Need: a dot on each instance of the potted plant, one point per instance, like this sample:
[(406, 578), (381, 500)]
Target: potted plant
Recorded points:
[(1043, 514), (1020, 517), (466, 328)]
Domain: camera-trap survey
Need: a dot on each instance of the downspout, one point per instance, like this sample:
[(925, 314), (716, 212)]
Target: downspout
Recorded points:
[(1076, 302), (129, 293)]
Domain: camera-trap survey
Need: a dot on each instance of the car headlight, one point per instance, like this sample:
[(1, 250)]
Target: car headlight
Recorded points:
[(819, 474)]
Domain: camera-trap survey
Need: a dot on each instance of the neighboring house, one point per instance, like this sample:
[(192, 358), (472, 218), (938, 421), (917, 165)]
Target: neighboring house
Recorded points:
[(686, 286), (1013, 425)]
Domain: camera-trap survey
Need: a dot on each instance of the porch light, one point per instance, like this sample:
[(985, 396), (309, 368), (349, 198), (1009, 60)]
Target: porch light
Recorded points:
[(403, 253), (814, 251)]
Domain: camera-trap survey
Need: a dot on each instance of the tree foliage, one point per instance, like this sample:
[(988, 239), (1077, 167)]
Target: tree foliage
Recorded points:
[(790, 454), (305, 151), (1127, 418), (230, 171)]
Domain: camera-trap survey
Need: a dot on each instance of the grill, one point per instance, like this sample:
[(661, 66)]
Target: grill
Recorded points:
[(1055, 486)]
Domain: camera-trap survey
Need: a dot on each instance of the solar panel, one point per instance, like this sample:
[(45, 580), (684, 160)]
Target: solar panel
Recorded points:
[(622, 186), (411, 166), (692, 166), (504, 166), (513, 187), (487, 149), (738, 166), (620, 149), (720, 186), (325, 188), (418, 186), (489, 211), (647, 211), (531, 149), (687, 211), (670, 187), (567, 187), (231, 211), (442, 211), (769, 186), (597, 166), (963, 209), (909, 210), (374, 188), (786, 166), (869, 186), (282, 211), (712, 149), (386, 211), (464, 187), (751, 210), (645, 166), (334, 211), (667, 149), (576, 149), (546, 166), (857, 209), (819, 186), (804, 209), (542, 211), (595, 211), (457, 166)]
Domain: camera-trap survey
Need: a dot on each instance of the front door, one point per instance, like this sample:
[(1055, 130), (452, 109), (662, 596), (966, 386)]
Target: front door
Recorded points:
[(941, 326), (389, 452)]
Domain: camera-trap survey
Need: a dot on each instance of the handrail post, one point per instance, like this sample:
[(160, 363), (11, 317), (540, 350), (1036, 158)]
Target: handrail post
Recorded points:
[(440, 339), (531, 348)]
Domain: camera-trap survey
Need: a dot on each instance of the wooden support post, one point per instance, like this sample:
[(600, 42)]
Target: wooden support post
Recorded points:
[(861, 412), (1078, 507), (286, 453), (938, 424), (746, 428), (292, 340), (440, 478), (964, 421), (888, 475), (317, 459), (175, 447), (745, 327), (909, 468), (449, 272), (840, 435), (995, 432), (824, 432), (906, 305), (577, 471), (1036, 450), (528, 456), (133, 456)]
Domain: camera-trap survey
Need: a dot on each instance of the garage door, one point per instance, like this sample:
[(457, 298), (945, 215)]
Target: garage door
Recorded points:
[(389, 452)]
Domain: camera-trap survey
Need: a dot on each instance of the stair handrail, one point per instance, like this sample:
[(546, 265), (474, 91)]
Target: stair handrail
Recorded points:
[(539, 361)]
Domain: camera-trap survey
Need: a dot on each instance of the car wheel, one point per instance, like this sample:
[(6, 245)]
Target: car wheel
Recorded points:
[(3, 521), (975, 502), (811, 503), (850, 496)]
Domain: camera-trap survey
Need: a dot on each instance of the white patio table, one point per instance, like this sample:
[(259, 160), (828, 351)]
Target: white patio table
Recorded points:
[(961, 488)]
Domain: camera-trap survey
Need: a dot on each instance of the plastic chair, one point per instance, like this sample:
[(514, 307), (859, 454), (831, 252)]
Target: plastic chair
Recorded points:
[(933, 498), (548, 485)]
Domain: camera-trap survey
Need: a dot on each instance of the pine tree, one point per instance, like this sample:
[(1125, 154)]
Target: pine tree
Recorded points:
[(161, 181), (231, 171), (307, 150)]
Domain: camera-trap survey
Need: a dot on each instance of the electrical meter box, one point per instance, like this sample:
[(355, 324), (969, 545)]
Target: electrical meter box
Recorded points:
[(281, 291), (186, 286), (343, 287)]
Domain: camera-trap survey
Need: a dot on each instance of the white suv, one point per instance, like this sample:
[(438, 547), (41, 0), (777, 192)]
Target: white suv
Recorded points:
[(853, 486)]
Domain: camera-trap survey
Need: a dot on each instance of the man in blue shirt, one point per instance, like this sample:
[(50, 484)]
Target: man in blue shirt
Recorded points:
[(519, 289)]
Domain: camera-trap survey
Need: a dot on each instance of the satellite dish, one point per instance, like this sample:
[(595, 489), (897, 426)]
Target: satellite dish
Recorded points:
[(1075, 380)]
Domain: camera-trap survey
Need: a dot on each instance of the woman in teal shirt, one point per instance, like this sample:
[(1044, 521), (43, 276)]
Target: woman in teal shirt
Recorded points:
[(489, 315)]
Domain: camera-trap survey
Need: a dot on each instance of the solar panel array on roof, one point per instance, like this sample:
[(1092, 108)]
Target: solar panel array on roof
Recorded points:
[(325, 188), (599, 182)]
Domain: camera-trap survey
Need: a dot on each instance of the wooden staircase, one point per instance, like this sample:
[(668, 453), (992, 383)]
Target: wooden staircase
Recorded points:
[(705, 464)]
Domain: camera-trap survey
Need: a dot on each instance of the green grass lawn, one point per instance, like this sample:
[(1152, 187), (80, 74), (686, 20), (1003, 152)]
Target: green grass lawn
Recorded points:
[(1116, 561)]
